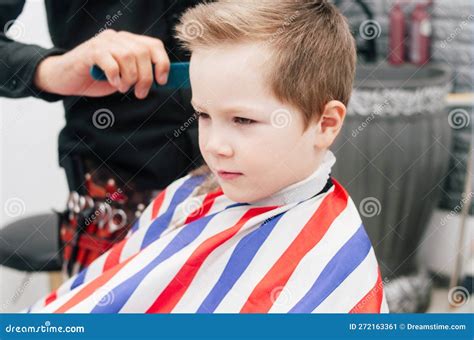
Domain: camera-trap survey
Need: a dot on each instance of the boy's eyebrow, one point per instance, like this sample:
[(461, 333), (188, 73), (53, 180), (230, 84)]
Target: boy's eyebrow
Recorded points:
[(228, 109)]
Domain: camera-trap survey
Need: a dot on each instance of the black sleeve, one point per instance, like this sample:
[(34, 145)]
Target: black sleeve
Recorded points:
[(18, 61)]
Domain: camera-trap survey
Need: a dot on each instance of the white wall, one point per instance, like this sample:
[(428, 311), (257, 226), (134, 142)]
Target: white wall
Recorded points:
[(30, 178)]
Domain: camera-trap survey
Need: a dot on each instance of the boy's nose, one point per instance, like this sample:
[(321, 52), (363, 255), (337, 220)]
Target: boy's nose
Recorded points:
[(218, 145)]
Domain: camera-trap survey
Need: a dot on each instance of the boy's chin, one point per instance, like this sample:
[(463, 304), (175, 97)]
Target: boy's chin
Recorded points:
[(239, 195), (233, 195)]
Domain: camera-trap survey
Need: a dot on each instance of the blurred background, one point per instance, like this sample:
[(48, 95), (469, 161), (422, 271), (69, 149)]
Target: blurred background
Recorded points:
[(406, 147)]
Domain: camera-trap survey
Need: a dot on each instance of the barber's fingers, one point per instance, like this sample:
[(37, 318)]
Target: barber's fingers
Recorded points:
[(110, 66), (133, 55), (144, 76), (159, 57), (125, 57)]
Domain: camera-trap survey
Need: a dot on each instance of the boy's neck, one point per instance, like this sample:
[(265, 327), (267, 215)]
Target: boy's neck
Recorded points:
[(303, 189)]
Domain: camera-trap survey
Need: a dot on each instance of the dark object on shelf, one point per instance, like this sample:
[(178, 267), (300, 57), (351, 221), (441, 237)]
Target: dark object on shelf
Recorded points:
[(409, 294), (40, 251), (369, 49)]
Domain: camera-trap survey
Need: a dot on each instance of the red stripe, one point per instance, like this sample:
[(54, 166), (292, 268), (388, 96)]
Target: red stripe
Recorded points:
[(50, 298), (111, 266), (205, 206), (92, 286), (114, 256), (175, 290), (157, 204), (372, 301), (261, 299)]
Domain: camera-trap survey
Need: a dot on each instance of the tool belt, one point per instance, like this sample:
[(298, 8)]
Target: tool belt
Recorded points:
[(97, 218)]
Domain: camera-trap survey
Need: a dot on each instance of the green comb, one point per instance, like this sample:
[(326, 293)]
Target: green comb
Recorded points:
[(178, 77)]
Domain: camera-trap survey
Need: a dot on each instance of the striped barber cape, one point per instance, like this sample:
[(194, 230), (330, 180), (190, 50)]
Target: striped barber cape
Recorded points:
[(207, 254)]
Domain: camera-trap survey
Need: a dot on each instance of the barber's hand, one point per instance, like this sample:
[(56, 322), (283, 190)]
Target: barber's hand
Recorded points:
[(126, 59)]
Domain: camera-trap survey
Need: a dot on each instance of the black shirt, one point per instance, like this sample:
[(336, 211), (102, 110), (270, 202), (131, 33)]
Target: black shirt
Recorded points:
[(141, 146)]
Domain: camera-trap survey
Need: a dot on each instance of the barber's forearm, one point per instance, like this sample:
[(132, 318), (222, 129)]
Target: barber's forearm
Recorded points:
[(18, 63), (42, 77)]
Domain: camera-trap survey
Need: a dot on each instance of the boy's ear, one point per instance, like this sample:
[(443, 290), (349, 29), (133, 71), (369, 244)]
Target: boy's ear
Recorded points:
[(330, 123)]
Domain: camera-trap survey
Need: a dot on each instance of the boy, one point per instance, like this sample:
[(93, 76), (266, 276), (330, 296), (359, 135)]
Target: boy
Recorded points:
[(264, 228)]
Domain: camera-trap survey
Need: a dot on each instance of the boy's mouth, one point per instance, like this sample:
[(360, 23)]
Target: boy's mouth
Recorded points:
[(228, 175)]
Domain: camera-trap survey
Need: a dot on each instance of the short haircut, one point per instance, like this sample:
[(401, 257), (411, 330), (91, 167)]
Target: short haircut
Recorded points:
[(313, 51)]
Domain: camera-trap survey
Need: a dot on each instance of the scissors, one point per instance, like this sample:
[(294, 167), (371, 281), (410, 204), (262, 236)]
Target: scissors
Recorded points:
[(178, 77), (118, 220)]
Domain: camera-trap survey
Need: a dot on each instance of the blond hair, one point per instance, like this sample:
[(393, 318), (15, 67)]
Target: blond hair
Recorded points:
[(313, 51)]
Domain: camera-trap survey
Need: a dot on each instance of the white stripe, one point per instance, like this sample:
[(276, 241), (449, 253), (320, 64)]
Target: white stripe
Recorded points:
[(353, 288), (145, 217), (135, 240), (133, 245), (37, 306), (219, 204), (183, 210), (312, 264), (102, 295), (91, 301), (58, 302), (206, 278), (170, 193), (384, 307), (212, 268), (96, 267), (159, 278), (62, 290), (273, 247), (66, 286)]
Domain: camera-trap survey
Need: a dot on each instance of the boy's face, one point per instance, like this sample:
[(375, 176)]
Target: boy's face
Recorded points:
[(244, 129)]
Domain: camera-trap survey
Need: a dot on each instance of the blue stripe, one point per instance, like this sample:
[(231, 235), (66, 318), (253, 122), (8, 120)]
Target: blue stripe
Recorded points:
[(236, 205), (162, 222), (135, 226), (79, 279), (122, 292), (241, 257), (351, 254)]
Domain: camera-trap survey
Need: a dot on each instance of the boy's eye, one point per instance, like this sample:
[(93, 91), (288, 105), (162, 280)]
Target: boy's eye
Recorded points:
[(243, 121), (237, 120), (202, 115)]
